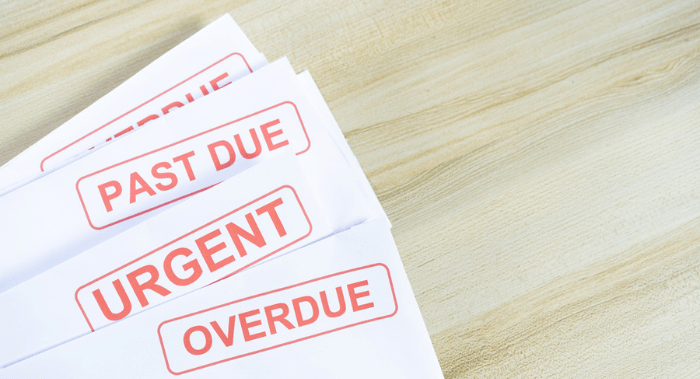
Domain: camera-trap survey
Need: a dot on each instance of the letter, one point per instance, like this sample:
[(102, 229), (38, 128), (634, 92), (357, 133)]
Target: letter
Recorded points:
[(185, 158), (236, 232), (282, 318), (297, 310), (354, 296), (268, 136), (215, 157), (188, 340), (207, 252), (147, 120), (341, 303), (149, 284), (133, 191), (190, 99), (227, 339), (272, 212), (192, 265), (164, 175), (245, 325), (166, 109), (204, 90), (106, 199), (215, 83), (241, 148), (127, 130), (126, 303)]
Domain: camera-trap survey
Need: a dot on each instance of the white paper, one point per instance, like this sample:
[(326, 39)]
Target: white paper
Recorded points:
[(205, 62), (72, 209), (259, 214), (289, 332), (334, 130)]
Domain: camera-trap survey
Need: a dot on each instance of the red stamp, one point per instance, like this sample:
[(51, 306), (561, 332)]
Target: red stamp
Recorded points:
[(278, 318), (149, 181), (211, 252)]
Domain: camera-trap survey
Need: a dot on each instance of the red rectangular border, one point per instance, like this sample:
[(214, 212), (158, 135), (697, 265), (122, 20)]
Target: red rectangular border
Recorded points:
[(41, 165), (308, 146), (393, 292), (196, 230)]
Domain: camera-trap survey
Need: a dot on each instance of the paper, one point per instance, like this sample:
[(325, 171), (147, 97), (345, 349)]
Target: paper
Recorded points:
[(209, 60), (124, 183), (340, 308), (239, 236), (334, 129), (259, 214)]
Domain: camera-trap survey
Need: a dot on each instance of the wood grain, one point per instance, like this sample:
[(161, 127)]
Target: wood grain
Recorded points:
[(540, 161)]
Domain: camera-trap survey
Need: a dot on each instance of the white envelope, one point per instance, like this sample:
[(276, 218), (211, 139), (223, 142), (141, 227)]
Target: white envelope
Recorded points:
[(202, 64), (334, 129), (72, 209), (259, 214), (339, 308)]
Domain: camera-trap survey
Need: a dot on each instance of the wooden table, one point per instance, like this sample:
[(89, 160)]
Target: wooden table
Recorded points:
[(540, 161)]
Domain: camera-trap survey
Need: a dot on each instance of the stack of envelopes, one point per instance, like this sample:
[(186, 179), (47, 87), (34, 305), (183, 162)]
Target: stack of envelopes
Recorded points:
[(206, 219)]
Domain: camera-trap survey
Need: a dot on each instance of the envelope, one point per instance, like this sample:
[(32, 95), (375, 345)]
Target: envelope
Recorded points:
[(207, 61), (264, 212), (339, 308), (333, 129), (72, 209)]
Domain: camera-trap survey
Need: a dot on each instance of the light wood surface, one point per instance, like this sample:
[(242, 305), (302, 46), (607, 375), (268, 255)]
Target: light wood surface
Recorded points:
[(540, 160)]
